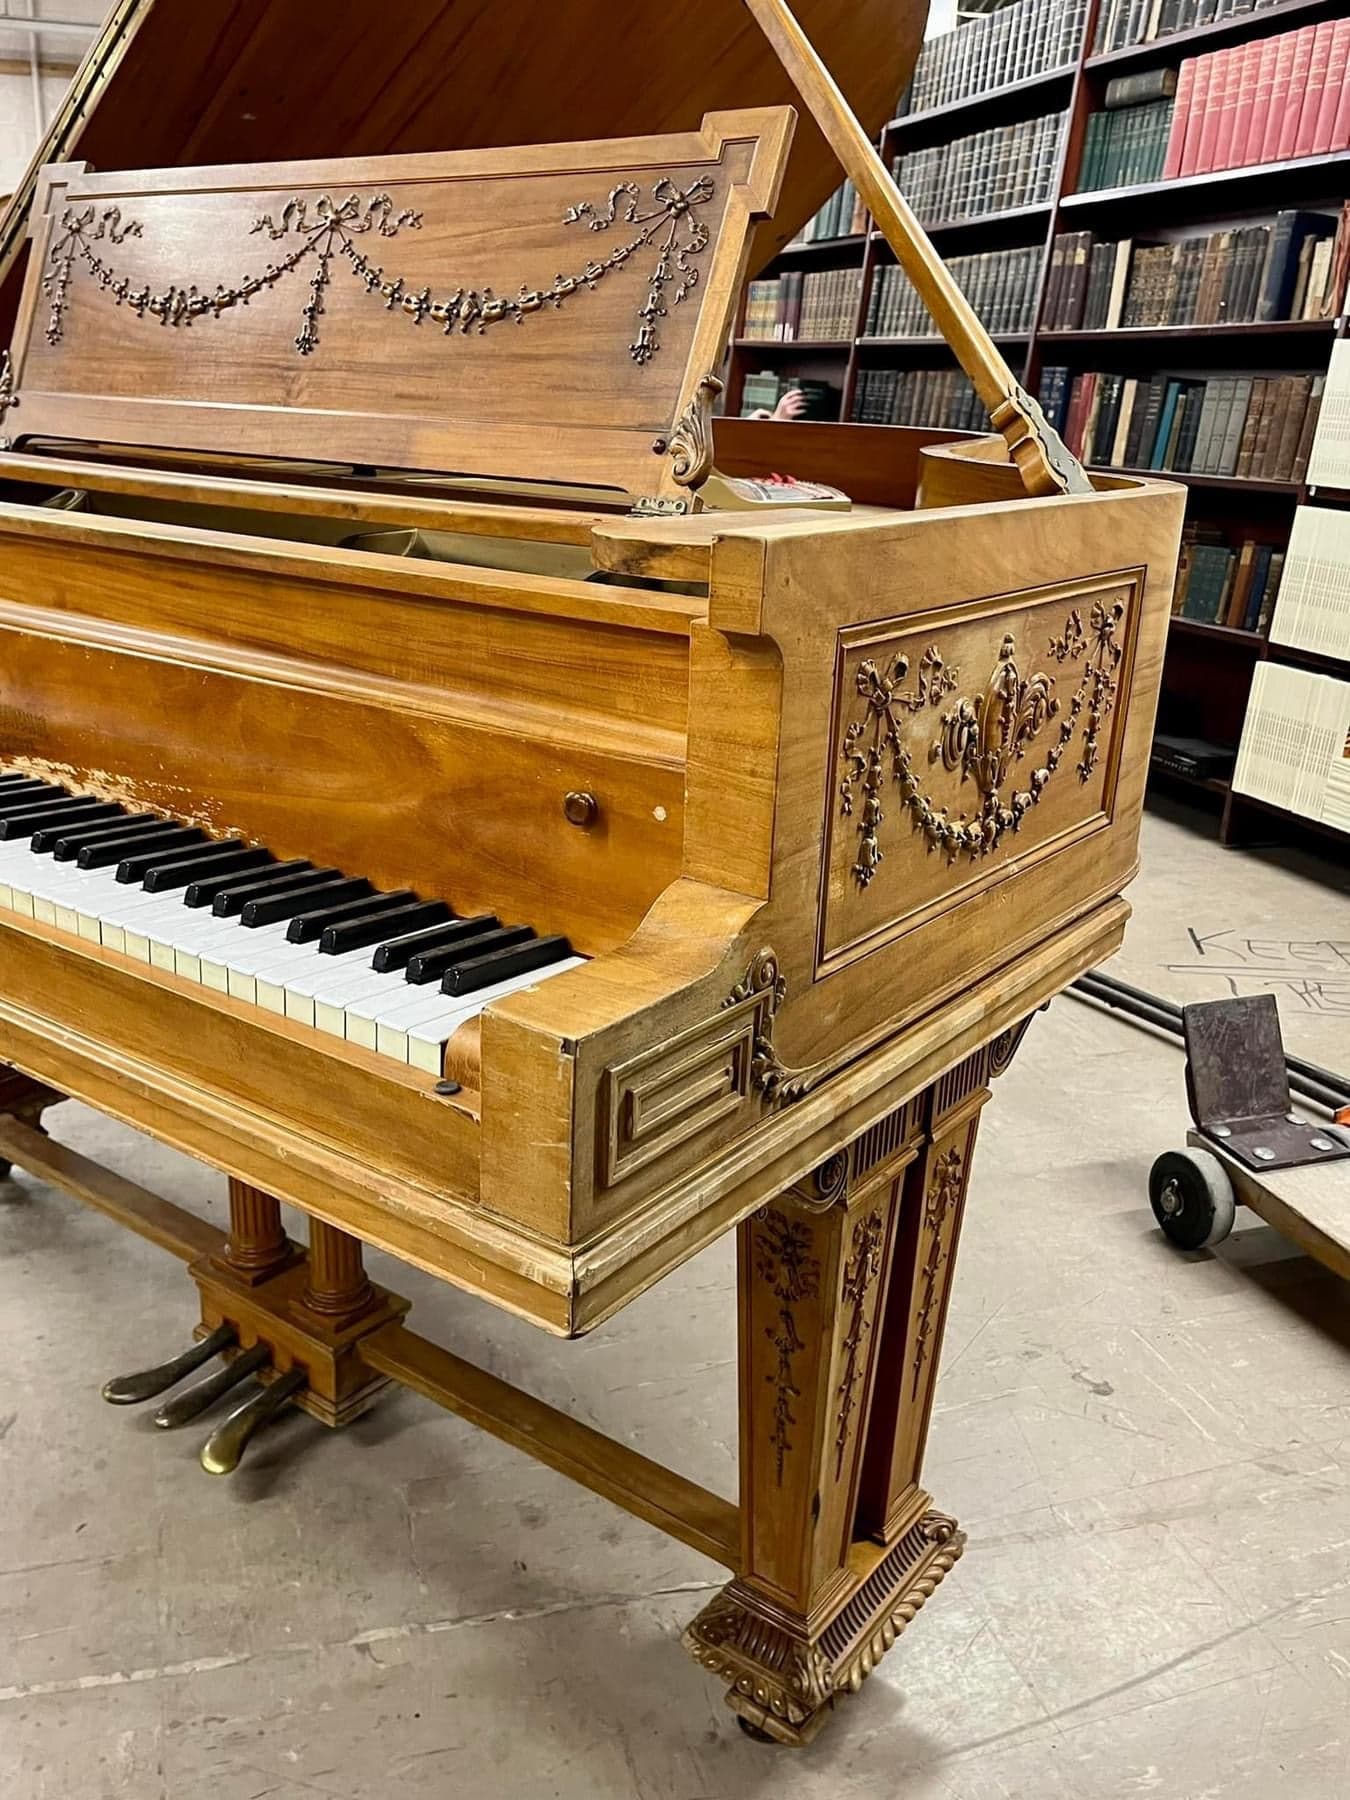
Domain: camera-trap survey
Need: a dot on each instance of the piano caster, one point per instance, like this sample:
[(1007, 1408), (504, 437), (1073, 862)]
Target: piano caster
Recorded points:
[(194, 1401), (759, 1735), (128, 1390), (224, 1450)]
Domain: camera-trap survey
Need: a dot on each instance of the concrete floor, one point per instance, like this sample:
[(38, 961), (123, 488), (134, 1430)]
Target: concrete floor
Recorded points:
[(1151, 1453)]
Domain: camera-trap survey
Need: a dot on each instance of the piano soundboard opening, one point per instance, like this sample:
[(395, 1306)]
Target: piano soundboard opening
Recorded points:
[(393, 971)]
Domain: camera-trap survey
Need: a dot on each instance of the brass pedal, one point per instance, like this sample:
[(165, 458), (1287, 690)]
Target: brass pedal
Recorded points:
[(127, 1390), (194, 1401), (224, 1450)]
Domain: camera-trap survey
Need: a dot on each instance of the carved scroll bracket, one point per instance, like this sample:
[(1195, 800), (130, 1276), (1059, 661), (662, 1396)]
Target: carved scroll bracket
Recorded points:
[(768, 1073), (691, 444)]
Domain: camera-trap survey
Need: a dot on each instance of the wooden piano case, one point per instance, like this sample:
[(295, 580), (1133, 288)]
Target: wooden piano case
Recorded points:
[(830, 802)]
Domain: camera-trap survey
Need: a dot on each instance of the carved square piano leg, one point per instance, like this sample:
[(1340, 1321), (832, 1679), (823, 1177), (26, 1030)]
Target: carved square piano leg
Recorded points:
[(842, 1305)]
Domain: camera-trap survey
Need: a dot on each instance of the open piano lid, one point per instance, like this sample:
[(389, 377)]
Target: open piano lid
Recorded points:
[(236, 81)]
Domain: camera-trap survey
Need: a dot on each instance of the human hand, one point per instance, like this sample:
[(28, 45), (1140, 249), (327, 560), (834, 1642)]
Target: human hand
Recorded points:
[(791, 406)]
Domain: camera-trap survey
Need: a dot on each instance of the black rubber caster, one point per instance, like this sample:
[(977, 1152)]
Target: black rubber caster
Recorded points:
[(754, 1731), (1192, 1198)]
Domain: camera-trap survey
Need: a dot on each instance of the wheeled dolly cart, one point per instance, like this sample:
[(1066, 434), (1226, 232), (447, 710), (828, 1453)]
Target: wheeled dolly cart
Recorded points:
[(1247, 1147)]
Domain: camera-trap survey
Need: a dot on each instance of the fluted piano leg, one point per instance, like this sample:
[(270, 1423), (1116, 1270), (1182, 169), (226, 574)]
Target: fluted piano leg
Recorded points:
[(257, 1246), (338, 1289), (843, 1299)]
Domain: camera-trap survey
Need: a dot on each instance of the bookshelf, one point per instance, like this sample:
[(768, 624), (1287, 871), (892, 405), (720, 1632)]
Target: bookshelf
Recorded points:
[(1209, 667)]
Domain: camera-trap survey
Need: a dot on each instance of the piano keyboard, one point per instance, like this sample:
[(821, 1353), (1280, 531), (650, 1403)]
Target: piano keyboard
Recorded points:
[(390, 971)]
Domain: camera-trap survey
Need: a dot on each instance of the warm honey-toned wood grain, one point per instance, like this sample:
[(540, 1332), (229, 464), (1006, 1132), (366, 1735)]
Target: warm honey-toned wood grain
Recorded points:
[(590, 387), (229, 81)]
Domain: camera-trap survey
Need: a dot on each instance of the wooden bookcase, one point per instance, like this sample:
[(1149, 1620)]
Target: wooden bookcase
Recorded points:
[(1209, 668)]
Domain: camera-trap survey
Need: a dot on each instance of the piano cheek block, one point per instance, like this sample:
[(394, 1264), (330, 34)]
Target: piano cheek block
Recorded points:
[(726, 855)]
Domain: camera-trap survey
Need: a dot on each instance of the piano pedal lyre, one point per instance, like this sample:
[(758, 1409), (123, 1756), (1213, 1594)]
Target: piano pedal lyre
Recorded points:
[(298, 1318)]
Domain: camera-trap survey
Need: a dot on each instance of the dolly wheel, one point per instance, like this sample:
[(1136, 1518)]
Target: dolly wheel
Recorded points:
[(1192, 1198)]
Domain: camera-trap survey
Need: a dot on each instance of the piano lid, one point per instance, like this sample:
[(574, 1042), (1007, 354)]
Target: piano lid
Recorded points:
[(231, 81)]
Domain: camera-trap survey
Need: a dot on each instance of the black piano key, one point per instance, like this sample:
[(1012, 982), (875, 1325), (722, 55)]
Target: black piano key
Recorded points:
[(132, 867), (28, 793), (12, 780), (501, 965), (366, 928), (54, 812), (73, 838), (104, 852), (56, 834), (431, 965), (235, 895), (396, 953), (224, 856), (305, 927), (305, 894)]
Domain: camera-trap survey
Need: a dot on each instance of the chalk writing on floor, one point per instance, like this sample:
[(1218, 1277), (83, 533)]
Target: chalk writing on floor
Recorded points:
[(1313, 973)]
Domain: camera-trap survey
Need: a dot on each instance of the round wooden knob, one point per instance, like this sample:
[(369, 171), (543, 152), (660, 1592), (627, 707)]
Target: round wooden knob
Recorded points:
[(581, 808)]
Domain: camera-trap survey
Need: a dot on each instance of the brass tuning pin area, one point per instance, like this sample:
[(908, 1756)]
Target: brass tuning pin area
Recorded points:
[(224, 1450), (130, 1390)]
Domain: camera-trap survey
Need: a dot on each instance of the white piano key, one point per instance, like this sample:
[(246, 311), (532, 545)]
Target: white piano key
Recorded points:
[(425, 1043), (330, 982), (332, 1013), (440, 1014)]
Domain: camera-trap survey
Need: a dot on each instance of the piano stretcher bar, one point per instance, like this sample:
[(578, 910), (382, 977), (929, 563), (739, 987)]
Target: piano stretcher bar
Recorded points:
[(681, 1508)]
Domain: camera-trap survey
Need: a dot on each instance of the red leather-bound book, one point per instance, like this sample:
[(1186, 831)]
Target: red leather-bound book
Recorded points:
[(1314, 92), (1181, 112), (1236, 90), (1337, 66), (1298, 82), (1220, 75), (1340, 128), (1195, 117), (1279, 96), (1251, 127)]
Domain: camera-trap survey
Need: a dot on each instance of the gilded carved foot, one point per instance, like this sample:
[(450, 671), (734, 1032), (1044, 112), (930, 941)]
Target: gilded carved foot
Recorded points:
[(782, 1683)]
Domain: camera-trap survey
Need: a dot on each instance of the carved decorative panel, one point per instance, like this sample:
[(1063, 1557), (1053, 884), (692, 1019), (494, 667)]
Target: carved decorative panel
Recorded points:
[(966, 744)]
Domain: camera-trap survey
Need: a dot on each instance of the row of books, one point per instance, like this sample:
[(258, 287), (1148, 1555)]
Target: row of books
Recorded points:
[(1314, 606), (1122, 22), (821, 303), (843, 215), (987, 172), (940, 398), (1295, 749), (764, 389), (1227, 584), (1125, 146), (1000, 285), (993, 49), (1255, 426), (1293, 266), (1262, 102)]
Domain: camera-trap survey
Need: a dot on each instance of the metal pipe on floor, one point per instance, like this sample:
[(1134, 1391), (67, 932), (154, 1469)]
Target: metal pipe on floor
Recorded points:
[(1149, 1009), (1325, 1077)]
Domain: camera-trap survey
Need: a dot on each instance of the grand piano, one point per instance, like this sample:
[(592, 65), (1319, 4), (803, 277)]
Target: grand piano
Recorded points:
[(432, 795)]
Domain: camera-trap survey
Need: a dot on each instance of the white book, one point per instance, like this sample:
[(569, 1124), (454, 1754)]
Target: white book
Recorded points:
[(1312, 609), (1329, 464)]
